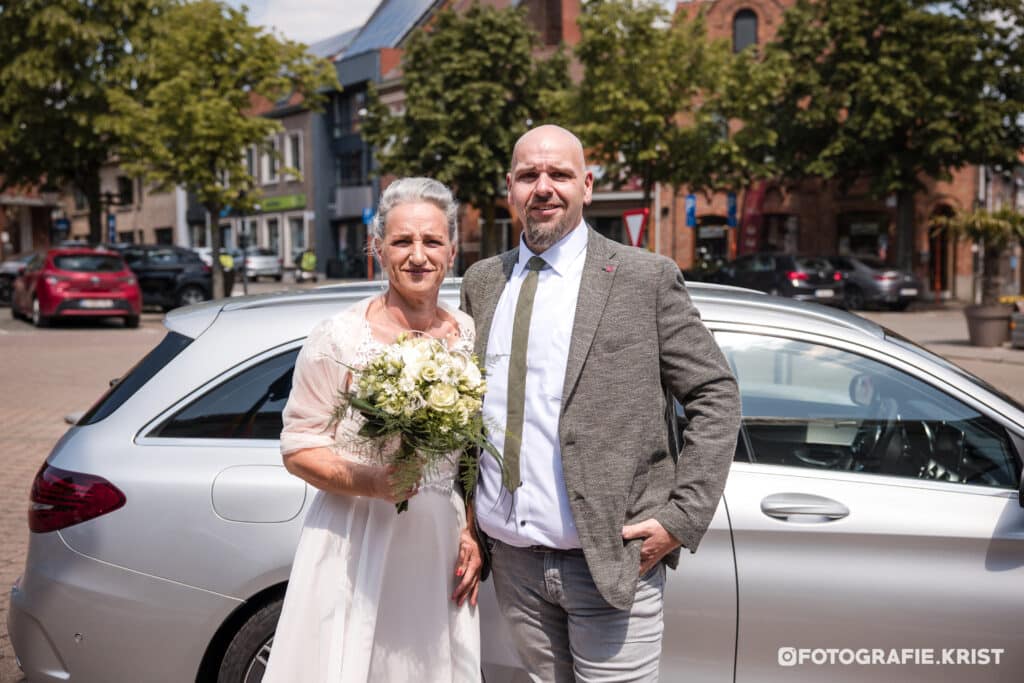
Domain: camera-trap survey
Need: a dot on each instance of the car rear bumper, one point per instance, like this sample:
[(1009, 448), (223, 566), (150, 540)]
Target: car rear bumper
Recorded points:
[(87, 306), (73, 618)]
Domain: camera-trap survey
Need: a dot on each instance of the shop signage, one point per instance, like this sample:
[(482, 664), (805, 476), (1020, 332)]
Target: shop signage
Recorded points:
[(283, 203)]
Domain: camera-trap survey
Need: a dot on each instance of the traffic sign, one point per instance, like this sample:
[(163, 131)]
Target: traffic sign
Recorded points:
[(691, 210), (112, 228), (730, 211), (368, 214), (636, 221)]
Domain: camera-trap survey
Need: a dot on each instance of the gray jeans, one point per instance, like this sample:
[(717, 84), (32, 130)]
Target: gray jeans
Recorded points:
[(564, 630)]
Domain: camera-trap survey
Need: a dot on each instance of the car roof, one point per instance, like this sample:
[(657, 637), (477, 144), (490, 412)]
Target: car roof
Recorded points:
[(244, 320), (75, 251)]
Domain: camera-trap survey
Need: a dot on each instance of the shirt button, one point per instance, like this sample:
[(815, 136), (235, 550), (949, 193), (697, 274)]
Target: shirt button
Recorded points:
[(522, 523)]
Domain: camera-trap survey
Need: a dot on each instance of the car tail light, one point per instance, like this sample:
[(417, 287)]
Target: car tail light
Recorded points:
[(206, 268), (837, 276), (796, 275), (56, 279), (61, 498)]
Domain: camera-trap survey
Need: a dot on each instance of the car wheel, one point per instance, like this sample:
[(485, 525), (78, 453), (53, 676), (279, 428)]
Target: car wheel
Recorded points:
[(278, 278), (854, 298), (191, 295), (38, 319), (246, 657), (131, 321)]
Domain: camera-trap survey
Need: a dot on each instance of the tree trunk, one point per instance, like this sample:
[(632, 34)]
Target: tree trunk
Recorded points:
[(213, 211), (992, 275), (488, 243), (89, 186), (905, 230)]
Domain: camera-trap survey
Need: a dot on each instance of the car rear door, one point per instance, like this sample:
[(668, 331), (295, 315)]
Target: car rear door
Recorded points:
[(875, 519)]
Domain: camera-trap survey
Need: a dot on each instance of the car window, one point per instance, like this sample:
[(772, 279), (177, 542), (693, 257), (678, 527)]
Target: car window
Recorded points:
[(245, 406), (813, 264), (163, 257), (89, 263), (810, 405), (763, 264), (134, 257), (124, 388)]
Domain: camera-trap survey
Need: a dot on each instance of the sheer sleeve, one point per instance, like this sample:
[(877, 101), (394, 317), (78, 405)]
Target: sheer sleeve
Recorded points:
[(320, 375)]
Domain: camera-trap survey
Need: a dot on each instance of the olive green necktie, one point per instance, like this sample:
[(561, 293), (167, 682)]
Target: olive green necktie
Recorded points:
[(517, 374)]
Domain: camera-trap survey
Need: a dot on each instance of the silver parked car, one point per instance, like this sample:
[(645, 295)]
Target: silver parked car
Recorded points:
[(868, 280), (873, 510), (262, 262)]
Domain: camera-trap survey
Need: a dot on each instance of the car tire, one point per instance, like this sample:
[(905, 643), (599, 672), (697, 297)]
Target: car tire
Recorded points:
[(38, 319), (191, 294), (131, 321), (245, 659), (278, 278), (854, 298), (899, 306)]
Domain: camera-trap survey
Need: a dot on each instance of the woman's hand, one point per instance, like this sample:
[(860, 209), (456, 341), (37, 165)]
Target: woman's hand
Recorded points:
[(387, 486), (467, 568)]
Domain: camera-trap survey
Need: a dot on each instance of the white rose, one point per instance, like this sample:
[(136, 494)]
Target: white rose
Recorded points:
[(430, 372), (442, 396), (471, 376)]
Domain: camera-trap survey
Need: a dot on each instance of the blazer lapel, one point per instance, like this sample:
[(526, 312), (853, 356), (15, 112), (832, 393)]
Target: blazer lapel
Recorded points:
[(595, 285), (495, 285)]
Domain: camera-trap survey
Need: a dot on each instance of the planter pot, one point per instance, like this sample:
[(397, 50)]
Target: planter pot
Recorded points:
[(988, 325)]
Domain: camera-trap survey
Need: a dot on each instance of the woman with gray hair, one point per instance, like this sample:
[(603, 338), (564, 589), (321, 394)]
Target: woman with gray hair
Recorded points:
[(375, 595)]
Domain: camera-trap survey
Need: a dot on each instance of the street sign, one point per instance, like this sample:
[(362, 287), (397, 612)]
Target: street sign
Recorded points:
[(691, 211), (730, 210), (111, 228), (636, 221), (62, 225), (368, 213)]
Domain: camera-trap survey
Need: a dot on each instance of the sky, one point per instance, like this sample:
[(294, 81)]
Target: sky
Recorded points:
[(308, 21)]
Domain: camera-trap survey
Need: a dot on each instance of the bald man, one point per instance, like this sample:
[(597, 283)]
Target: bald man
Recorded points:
[(593, 504)]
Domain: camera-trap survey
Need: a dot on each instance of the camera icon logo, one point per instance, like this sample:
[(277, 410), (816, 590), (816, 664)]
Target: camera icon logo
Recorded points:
[(787, 656)]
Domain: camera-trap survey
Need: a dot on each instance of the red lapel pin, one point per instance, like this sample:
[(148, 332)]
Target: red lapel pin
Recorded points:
[(609, 269)]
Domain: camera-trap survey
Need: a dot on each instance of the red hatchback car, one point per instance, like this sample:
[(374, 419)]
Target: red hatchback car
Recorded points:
[(76, 282)]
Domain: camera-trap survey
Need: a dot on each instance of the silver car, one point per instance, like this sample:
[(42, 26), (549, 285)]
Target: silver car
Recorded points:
[(261, 262), (871, 528)]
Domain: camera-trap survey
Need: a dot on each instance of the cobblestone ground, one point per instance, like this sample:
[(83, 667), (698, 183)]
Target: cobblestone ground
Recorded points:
[(46, 374)]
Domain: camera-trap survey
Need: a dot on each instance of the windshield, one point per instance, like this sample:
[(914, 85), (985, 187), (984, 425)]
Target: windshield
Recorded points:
[(89, 263), (813, 264), (905, 343)]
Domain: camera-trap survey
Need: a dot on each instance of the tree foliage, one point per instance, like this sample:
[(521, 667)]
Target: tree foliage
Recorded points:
[(188, 118), (59, 61), (894, 90), (994, 232), (472, 87), (657, 98)]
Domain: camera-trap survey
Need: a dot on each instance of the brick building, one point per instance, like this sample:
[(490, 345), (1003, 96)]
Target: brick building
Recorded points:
[(817, 217)]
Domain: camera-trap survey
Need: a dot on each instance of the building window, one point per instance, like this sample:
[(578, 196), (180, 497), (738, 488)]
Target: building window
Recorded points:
[(744, 29), (349, 169), (165, 236), (274, 235), (270, 161), (293, 152), (80, 201), (125, 190), (250, 162)]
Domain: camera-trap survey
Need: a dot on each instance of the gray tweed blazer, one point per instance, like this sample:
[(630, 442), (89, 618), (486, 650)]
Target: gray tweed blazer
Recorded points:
[(636, 333)]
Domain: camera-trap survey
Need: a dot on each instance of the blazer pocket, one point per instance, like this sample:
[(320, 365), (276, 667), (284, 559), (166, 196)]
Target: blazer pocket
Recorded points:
[(616, 344)]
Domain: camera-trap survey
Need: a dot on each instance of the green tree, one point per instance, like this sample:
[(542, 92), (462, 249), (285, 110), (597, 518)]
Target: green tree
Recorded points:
[(59, 60), (473, 86), (657, 98), (190, 117), (994, 232), (892, 91)]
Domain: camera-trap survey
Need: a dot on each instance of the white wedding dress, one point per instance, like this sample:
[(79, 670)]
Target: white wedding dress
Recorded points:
[(369, 598)]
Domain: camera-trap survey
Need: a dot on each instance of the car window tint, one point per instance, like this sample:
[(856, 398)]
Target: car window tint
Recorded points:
[(815, 264), (134, 257), (124, 388), (163, 257), (810, 405), (89, 263), (245, 406)]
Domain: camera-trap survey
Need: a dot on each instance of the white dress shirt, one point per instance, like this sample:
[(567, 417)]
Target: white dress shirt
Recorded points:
[(538, 513)]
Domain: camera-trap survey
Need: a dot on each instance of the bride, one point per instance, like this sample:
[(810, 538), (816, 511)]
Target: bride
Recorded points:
[(375, 595)]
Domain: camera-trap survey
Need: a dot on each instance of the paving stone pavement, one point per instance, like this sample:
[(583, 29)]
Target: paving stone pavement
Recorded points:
[(44, 375)]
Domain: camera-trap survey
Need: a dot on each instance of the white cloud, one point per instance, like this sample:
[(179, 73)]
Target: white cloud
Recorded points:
[(308, 20)]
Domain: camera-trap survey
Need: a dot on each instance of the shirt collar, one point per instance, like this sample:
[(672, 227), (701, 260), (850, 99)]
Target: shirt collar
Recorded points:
[(561, 254)]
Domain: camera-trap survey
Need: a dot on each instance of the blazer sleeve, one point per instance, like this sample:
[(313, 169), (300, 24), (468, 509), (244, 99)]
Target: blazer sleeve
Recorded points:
[(697, 374)]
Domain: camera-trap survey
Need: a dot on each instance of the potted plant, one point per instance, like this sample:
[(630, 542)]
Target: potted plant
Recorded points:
[(988, 323)]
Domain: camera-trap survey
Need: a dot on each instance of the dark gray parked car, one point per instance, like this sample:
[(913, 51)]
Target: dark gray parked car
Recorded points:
[(804, 278), (870, 281), (873, 509)]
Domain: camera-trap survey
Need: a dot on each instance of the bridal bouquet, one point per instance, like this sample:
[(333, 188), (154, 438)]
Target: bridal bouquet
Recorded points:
[(429, 397)]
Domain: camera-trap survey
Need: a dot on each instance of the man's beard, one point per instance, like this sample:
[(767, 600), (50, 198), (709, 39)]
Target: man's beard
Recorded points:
[(539, 237)]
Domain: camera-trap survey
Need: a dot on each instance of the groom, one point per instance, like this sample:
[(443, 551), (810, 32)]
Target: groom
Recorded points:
[(581, 336)]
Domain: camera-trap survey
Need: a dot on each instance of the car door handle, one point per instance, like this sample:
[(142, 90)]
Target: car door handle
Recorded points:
[(803, 507)]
